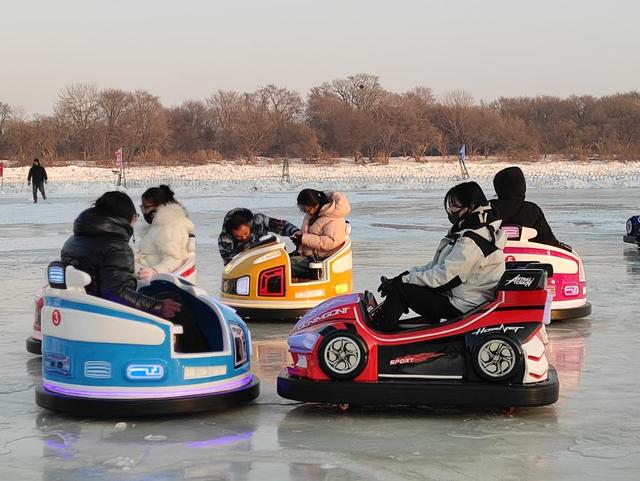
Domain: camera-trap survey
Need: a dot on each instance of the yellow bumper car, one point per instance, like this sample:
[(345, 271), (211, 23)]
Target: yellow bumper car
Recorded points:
[(258, 284)]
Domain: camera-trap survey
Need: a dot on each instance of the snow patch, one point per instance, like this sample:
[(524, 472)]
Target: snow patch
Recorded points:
[(399, 174)]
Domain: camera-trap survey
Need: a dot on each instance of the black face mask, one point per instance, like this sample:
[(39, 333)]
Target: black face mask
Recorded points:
[(453, 217), (148, 216)]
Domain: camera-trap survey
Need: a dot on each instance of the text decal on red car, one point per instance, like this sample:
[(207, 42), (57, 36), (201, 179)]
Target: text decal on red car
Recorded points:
[(415, 358)]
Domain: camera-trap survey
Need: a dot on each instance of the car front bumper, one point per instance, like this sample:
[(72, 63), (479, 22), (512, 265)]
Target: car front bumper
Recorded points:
[(426, 393)]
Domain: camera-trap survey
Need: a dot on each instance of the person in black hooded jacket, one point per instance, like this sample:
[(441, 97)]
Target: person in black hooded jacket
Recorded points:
[(100, 247), (510, 187), (38, 175), (241, 228)]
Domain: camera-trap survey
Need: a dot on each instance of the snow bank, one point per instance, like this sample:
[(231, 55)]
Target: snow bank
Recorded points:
[(399, 174)]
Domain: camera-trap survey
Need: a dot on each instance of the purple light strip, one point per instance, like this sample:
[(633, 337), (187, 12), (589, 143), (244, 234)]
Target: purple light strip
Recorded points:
[(221, 441), (150, 393)]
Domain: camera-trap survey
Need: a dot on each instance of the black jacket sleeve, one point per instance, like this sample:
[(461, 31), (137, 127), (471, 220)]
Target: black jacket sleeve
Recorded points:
[(44, 174), (30, 174), (118, 283), (280, 227)]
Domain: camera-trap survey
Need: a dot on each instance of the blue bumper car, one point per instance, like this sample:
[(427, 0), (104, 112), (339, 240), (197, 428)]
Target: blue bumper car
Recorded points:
[(632, 235), (104, 359)]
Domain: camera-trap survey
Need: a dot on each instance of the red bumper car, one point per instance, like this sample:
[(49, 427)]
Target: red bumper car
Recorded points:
[(492, 356)]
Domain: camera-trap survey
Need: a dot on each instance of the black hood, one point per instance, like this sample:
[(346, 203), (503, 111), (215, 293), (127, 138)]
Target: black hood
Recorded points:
[(246, 213), (91, 223), (509, 184)]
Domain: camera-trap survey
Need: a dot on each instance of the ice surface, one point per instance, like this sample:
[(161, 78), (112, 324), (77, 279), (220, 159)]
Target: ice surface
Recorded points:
[(593, 432)]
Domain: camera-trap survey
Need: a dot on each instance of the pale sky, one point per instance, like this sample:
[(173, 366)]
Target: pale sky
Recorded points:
[(188, 49)]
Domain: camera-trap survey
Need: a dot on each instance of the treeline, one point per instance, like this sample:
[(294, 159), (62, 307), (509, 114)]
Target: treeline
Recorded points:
[(355, 116)]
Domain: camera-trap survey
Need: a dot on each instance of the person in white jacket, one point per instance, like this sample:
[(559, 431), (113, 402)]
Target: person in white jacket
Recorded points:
[(464, 272), (164, 244)]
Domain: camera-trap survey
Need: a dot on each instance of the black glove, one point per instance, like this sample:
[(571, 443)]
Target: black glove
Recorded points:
[(296, 238), (388, 285), (385, 286), (564, 246)]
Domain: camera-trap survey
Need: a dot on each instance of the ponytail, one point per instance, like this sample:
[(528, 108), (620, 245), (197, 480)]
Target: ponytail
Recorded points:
[(312, 197), (160, 195)]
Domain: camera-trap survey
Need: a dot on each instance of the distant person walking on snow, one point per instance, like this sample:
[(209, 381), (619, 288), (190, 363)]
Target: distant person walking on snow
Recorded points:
[(38, 176)]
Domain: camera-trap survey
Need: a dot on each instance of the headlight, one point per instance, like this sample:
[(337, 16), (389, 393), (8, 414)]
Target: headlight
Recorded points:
[(240, 355), (242, 286)]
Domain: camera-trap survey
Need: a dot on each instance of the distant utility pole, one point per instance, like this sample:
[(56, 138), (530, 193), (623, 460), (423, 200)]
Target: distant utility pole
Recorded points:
[(122, 180), (463, 168), (286, 177), (124, 170)]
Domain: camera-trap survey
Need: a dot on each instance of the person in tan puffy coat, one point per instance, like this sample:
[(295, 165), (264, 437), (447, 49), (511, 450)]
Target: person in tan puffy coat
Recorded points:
[(324, 228), (164, 245)]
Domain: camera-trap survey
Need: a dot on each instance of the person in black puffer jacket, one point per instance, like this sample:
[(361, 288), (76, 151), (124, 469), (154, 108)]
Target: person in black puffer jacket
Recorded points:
[(100, 247), (510, 187)]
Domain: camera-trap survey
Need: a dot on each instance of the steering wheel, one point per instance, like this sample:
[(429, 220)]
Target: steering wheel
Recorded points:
[(265, 240)]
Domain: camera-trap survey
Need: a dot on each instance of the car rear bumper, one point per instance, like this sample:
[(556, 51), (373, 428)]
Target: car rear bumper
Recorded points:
[(257, 314), (571, 313), (34, 346), (421, 392)]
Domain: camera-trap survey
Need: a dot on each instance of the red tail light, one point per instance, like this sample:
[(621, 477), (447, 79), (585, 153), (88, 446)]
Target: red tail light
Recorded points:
[(271, 282)]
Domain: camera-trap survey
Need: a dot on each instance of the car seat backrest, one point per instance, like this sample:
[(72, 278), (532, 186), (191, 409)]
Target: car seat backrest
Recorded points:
[(77, 279), (523, 280), (191, 243), (518, 232), (548, 268), (528, 233), (62, 276)]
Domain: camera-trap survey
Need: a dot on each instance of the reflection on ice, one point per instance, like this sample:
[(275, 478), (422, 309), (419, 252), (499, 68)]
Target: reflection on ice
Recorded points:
[(592, 432)]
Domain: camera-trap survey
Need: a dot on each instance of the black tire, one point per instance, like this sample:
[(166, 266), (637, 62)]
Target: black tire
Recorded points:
[(342, 355), (497, 358)]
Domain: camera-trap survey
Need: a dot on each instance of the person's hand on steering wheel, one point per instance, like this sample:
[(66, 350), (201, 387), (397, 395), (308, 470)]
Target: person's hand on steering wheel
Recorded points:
[(296, 238), (388, 285)]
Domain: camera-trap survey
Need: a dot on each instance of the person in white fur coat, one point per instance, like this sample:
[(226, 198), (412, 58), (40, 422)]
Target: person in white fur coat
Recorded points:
[(164, 244)]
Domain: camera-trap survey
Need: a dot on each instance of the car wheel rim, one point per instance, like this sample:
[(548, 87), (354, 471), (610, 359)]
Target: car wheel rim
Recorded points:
[(496, 358), (342, 355), (629, 227)]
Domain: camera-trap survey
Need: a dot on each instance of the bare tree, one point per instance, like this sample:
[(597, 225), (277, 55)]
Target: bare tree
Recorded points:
[(114, 106), (149, 123), (225, 107), (191, 127), (285, 108), (78, 104), (454, 107), (5, 114), (417, 130), (253, 129), (361, 91)]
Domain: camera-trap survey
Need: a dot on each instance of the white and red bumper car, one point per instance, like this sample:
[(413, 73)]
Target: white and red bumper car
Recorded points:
[(492, 356), (568, 286)]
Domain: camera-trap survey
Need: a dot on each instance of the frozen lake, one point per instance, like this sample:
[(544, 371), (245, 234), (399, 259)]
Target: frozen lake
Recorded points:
[(593, 432)]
